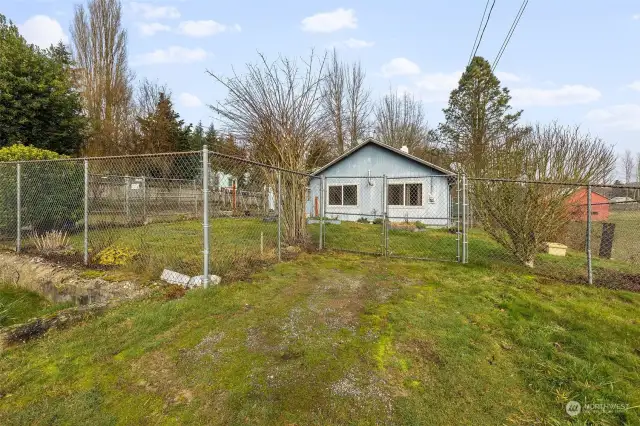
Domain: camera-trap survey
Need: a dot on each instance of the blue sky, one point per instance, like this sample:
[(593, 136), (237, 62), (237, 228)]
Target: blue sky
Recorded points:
[(574, 61)]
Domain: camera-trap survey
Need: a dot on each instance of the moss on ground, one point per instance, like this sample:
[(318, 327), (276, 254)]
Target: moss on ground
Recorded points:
[(18, 305), (340, 339)]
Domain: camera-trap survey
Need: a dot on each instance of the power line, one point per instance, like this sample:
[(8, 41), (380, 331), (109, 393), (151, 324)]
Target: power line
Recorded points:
[(476, 44), (523, 6), (486, 6)]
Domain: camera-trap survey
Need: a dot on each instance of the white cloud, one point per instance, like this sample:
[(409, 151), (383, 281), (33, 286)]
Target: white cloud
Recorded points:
[(171, 55), (203, 28), (635, 85), (188, 100), (354, 43), (436, 87), (150, 11), (152, 28), (42, 31), (400, 66), (328, 22), (636, 17), (507, 77), (565, 95), (626, 116)]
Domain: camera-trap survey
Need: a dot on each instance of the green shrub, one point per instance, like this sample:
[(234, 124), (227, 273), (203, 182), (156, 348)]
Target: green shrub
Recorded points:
[(420, 225), (363, 220), (24, 153), (116, 256), (378, 221), (52, 193)]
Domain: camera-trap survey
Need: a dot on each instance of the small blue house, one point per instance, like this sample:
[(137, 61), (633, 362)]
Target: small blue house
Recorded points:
[(372, 178)]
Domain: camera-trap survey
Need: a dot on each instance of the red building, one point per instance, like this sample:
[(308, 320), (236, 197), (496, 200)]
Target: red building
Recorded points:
[(578, 206)]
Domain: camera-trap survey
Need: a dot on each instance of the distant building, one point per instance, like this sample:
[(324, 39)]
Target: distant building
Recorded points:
[(620, 200), (577, 206)]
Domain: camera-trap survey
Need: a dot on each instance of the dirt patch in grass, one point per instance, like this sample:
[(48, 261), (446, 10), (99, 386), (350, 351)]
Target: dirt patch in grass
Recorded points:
[(617, 280), (422, 350)]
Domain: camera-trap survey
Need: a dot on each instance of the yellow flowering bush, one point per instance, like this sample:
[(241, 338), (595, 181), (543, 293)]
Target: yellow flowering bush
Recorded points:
[(116, 256)]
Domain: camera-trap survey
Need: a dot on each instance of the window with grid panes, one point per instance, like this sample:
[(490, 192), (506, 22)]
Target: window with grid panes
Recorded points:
[(413, 194), (405, 194), (343, 195), (395, 194)]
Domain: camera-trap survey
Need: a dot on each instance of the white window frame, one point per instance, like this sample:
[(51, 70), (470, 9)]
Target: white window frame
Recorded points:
[(404, 194), (342, 185)]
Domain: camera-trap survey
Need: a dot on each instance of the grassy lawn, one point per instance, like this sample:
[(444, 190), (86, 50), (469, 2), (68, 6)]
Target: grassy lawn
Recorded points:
[(626, 238), (234, 245), (236, 248), (18, 305), (621, 272), (340, 339)]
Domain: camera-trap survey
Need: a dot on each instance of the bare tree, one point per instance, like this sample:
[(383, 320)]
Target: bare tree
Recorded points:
[(148, 95), (346, 103), (628, 166), (274, 108), (636, 192), (521, 216), (100, 53), (400, 120), (358, 106), (333, 101)]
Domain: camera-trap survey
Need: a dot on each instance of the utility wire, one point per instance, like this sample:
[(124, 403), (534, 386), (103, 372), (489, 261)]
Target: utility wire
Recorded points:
[(486, 6), (505, 43), (476, 45)]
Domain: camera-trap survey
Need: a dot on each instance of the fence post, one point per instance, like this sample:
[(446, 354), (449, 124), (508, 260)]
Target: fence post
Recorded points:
[(205, 216), (144, 200), (195, 197), (588, 239), (18, 204), (464, 220), (322, 202), (458, 227), (385, 219), (279, 218), (127, 183), (86, 212)]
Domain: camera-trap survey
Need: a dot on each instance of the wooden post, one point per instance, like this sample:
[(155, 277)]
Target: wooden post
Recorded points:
[(233, 196), (261, 243)]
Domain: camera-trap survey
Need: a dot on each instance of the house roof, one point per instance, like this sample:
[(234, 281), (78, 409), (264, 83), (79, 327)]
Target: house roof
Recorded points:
[(387, 147), (582, 192)]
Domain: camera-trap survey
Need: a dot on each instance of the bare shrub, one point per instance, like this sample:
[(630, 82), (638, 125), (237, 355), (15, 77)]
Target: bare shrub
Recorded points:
[(522, 216)]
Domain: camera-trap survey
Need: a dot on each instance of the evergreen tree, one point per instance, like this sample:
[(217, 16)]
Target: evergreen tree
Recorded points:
[(38, 104), (211, 138), (197, 139), (478, 116), (163, 130)]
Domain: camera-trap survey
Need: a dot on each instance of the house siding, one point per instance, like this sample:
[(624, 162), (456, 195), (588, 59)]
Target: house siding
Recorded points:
[(375, 161)]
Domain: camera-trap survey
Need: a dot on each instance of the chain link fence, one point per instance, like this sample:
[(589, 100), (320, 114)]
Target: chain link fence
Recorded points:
[(567, 231), (397, 216), (204, 212), (146, 213)]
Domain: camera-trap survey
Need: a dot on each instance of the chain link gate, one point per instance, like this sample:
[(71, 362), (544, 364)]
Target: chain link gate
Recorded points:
[(417, 217), (354, 214)]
